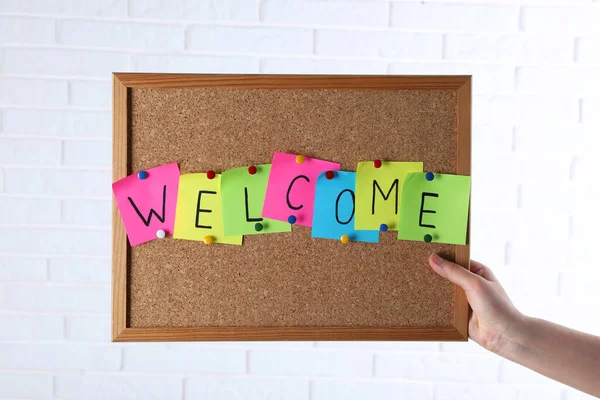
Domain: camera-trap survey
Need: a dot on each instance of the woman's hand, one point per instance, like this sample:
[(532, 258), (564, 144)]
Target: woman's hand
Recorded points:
[(494, 316)]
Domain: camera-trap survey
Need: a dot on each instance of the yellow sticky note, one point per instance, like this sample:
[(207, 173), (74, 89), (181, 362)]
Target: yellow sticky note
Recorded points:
[(379, 192), (199, 213)]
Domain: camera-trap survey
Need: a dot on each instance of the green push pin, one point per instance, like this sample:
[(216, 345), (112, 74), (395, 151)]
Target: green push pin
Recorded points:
[(258, 227), (428, 238)]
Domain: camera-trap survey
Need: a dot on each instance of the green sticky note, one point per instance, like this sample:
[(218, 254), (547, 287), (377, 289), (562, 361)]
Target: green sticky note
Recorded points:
[(379, 192), (242, 198), (439, 208)]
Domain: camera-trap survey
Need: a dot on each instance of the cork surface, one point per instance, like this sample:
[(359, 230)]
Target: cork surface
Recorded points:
[(289, 279)]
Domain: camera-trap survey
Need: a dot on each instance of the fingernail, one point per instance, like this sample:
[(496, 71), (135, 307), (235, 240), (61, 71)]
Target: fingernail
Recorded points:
[(437, 260)]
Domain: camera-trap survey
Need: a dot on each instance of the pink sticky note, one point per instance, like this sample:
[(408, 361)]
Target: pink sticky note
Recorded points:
[(291, 187), (148, 205)]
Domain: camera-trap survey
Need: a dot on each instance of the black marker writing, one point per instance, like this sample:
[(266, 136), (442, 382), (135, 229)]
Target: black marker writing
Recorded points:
[(152, 212), (422, 211), (200, 210), (385, 196), (337, 204), (248, 219), (287, 196)]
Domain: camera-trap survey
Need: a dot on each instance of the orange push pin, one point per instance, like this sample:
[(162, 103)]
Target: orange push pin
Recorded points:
[(208, 239), (344, 239), (299, 159)]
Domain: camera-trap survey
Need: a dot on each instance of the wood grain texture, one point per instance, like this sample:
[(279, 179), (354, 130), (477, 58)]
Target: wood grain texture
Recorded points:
[(261, 291)]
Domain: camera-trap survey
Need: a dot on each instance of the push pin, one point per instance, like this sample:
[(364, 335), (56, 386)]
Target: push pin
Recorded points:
[(252, 170), (299, 159), (329, 174), (429, 176), (344, 239), (210, 174), (377, 163), (428, 238), (142, 175), (258, 227), (160, 234), (292, 219), (383, 227), (208, 239)]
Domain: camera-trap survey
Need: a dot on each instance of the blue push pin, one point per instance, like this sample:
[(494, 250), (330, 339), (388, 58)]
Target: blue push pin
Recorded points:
[(383, 228), (142, 175), (429, 176), (292, 219)]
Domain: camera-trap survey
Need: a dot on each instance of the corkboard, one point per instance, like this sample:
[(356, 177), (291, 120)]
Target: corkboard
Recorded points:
[(287, 285)]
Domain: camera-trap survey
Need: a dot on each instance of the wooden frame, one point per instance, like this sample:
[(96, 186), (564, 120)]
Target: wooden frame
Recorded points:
[(122, 82)]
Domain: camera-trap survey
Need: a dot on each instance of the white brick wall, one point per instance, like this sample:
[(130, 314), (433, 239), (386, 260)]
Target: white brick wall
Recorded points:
[(534, 211)]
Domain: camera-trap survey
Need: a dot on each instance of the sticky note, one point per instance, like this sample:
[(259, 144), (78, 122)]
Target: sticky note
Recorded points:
[(439, 208), (242, 198), (379, 193), (291, 187), (199, 213), (148, 205), (334, 209)]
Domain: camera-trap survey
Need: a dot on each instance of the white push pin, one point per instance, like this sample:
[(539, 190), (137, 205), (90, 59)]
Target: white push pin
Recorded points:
[(160, 234)]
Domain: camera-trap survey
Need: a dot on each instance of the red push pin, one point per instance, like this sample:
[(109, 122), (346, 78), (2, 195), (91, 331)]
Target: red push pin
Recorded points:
[(210, 174), (329, 174), (252, 170), (377, 163)]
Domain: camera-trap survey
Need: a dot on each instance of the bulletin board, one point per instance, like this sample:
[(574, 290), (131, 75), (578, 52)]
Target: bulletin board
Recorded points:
[(286, 286)]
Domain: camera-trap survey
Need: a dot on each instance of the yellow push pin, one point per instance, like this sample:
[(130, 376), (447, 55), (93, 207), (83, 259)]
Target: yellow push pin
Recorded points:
[(344, 239), (299, 159), (208, 239)]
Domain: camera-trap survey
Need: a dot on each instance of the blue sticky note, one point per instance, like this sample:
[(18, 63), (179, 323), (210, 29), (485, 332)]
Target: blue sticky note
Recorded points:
[(334, 209)]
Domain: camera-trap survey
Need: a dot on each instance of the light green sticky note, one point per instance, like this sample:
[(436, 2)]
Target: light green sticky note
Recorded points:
[(439, 208), (198, 213), (242, 197), (379, 192)]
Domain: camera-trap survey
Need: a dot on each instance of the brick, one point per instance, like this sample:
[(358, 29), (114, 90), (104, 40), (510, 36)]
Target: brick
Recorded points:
[(511, 372), (58, 182), (113, 386), (476, 391), (579, 282), (543, 254), (569, 19), (20, 30), (250, 388), (580, 253), (232, 10), (31, 92), (505, 48), (537, 138), (525, 108), (311, 362), (194, 63), (177, 358), (584, 167), (32, 385), (346, 13), (534, 197), (377, 346), (364, 389), (498, 196), (447, 367), (18, 151), (90, 94), (121, 35), (63, 298), (589, 110), (487, 78), (87, 328), (528, 280), (19, 210), (574, 394), (17, 327), (62, 62), (86, 212), (411, 46), (222, 39), (64, 123), (321, 66), (53, 241), (87, 153), (469, 347), (95, 8), (59, 357), (454, 17), (587, 50), (79, 270), (577, 80), (22, 268)]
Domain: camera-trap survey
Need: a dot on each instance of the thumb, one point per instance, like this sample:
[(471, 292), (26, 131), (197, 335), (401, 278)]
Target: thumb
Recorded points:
[(453, 272)]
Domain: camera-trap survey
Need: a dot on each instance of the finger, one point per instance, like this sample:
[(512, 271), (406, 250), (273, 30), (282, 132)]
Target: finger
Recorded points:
[(483, 271), (453, 272)]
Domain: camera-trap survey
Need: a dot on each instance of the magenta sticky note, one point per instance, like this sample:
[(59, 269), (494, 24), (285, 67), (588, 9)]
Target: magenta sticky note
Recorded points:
[(148, 205), (291, 187)]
